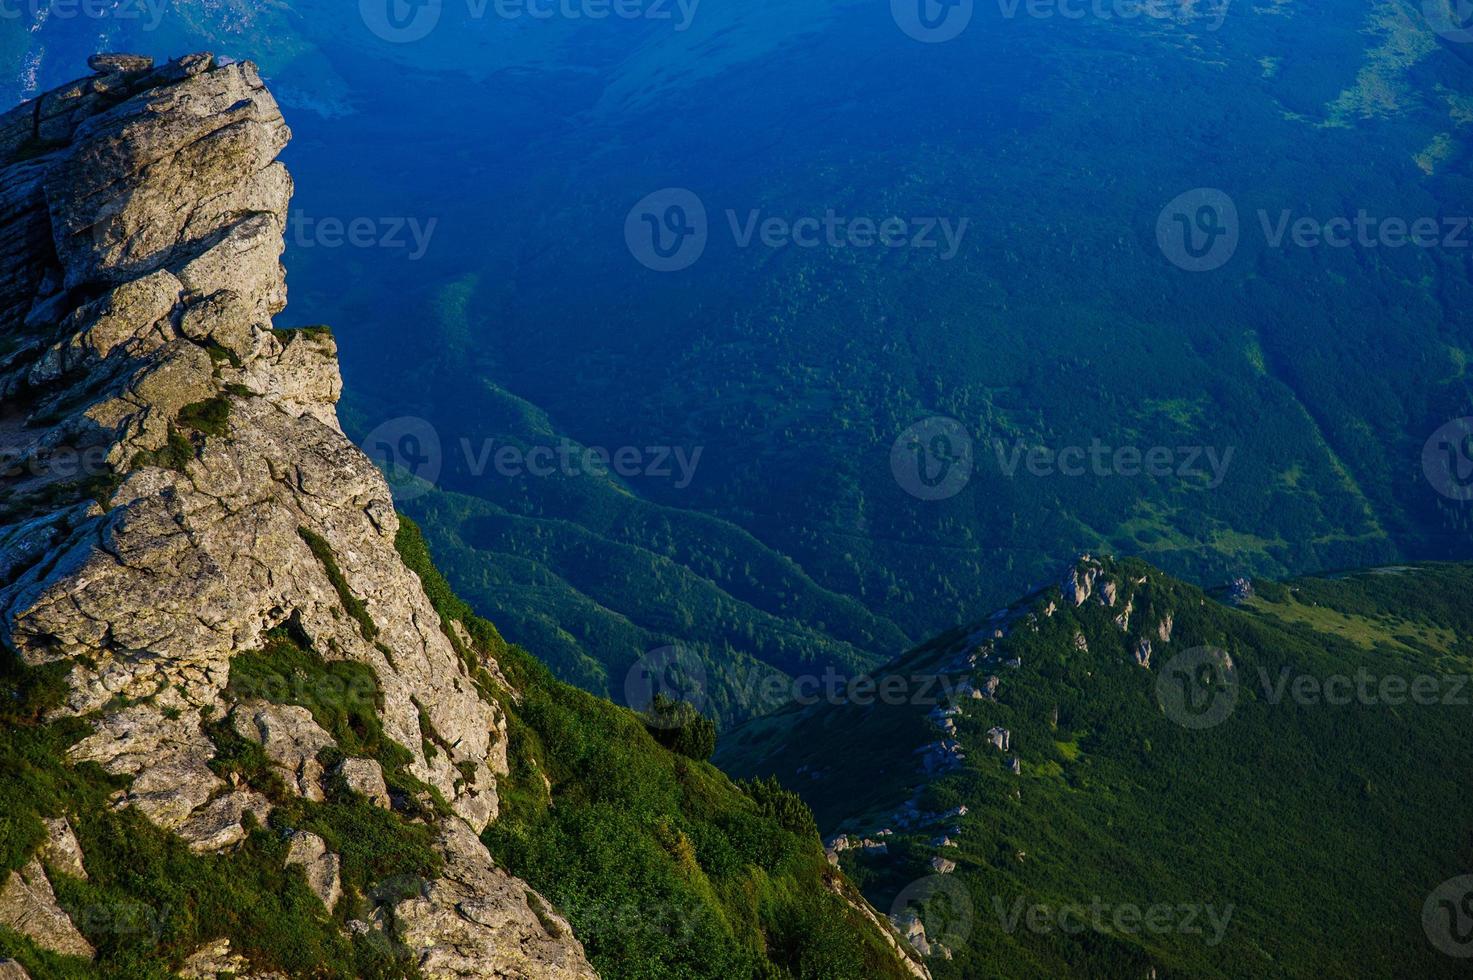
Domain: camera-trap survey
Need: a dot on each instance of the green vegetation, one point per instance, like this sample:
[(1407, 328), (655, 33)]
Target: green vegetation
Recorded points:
[(352, 605), (34, 782), (663, 867), (1322, 827), (1059, 324), (210, 417), (679, 727), (316, 330), (149, 902), (782, 805), (221, 355), (177, 453)]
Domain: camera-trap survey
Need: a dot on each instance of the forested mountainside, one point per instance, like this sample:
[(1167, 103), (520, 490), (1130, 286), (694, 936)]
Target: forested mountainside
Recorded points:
[(1122, 775), (246, 729), (1051, 319)]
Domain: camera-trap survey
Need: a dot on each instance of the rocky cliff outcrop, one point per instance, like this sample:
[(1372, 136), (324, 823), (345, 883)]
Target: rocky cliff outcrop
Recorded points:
[(174, 486)]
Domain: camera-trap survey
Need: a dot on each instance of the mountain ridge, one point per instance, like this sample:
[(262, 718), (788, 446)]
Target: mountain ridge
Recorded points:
[(1069, 753)]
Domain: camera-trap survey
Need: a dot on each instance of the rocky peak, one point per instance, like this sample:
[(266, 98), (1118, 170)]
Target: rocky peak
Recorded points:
[(176, 490)]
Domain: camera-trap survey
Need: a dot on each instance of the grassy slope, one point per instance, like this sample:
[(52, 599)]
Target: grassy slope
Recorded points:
[(1323, 827), (664, 867)]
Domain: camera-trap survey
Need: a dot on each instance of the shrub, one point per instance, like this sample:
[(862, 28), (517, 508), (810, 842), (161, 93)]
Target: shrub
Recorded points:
[(679, 727)]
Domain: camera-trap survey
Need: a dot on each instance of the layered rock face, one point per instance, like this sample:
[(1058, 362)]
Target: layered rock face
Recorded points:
[(174, 485)]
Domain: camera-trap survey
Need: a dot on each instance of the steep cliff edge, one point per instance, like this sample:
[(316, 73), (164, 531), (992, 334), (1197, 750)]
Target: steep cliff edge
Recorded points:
[(140, 366), (236, 733)]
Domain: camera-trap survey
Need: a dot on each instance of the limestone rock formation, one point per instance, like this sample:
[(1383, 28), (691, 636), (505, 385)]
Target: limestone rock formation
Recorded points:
[(177, 486), (322, 868), (366, 777), (28, 906)]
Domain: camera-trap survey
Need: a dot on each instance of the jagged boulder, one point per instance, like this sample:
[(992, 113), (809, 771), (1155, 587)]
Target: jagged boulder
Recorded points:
[(479, 921), (322, 868), (365, 777), (291, 740), (61, 852), (28, 906), (1079, 581), (107, 64)]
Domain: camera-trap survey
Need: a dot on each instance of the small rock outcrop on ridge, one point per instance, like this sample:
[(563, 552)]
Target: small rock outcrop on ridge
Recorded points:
[(176, 487)]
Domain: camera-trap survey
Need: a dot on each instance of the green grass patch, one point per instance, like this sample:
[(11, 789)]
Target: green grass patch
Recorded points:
[(176, 453), (210, 417), (352, 605), (316, 330)]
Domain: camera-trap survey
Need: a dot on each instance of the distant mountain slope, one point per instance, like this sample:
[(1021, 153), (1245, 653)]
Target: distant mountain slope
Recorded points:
[(593, 576), (1058, 322), (1288, 772)]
